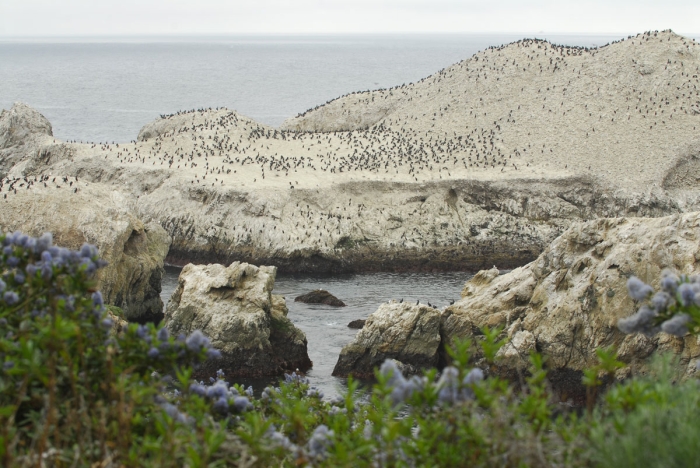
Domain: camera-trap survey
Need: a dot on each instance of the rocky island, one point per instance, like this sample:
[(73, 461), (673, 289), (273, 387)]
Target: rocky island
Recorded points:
[(482, 163)]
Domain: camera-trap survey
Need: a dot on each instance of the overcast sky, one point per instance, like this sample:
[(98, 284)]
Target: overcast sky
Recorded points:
[(176, 17)]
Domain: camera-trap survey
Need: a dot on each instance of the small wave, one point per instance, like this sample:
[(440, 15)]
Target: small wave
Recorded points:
[(39, 106), (133, 111)]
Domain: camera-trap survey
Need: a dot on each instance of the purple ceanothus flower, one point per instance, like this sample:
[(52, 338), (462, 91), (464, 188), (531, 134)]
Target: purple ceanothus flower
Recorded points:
[(638, 290), (11, 298)]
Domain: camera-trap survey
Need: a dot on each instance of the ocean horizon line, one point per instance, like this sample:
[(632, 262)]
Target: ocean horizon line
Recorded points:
[(197, 37)]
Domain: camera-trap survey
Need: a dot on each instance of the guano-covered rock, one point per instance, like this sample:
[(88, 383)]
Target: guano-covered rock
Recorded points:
[(235, 308), (407, 333)]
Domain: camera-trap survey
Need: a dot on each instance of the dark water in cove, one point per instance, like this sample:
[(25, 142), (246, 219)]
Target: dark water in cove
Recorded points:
[(326, 327)]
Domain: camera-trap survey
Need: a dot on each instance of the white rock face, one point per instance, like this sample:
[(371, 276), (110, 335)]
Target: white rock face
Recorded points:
[(341, 115), (566, 304), (98, 216), (22, 122), (516, 352), (20, 127), (234, 307), (407, 333)]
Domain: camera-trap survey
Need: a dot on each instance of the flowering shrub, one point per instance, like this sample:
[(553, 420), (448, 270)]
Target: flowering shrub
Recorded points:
[(74, 392), (675, 309), (70, 389)]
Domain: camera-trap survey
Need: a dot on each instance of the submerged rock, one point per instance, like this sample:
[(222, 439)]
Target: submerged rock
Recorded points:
[(407, 333), (357, 324), (320, 296), (235, 308)]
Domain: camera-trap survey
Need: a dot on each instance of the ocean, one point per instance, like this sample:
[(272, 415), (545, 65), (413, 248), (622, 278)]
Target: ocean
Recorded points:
[(106, 89)]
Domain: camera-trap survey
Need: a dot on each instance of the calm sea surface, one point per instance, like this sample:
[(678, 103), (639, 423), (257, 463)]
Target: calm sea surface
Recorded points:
[(326, 327), (106, 89)]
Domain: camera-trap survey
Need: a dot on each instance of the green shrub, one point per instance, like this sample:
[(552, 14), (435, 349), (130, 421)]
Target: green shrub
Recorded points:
[(116, 311), (649, 421), (72, 393)]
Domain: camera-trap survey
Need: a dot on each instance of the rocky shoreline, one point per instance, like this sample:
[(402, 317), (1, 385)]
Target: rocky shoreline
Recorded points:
[(564, 305)]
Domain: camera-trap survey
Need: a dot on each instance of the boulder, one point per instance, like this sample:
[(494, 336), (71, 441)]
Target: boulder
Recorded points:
[(567, 302), (100, 216), (357, 324), (19, 128), (235, 308), (320, 296), (407, 333)]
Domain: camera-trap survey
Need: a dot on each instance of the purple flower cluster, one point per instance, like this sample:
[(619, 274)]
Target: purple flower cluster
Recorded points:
[(197, 341), (224, 398), (402, 388), (278, 439), (449, 388), (295, 378), (314, 392), (162, 343), (173, 411), (320, 441), (670, 310), (43, 260)]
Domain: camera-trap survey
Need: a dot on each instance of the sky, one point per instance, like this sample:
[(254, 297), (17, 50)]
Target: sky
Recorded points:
[(229, 17)]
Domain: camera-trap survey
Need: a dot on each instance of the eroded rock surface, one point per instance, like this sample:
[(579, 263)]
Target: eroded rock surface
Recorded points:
[(235, 308), (102, 217), (566, 304), (407, 333)]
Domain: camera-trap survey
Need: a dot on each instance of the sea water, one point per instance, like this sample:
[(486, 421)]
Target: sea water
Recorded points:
[(326, 327)]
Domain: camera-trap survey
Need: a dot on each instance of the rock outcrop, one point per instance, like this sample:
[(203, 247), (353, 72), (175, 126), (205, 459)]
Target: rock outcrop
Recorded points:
[(342, 115), (97, 215), (235, 308), (21, 128), (119, 325), (407, 333), (566, 304), (320, 296)]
